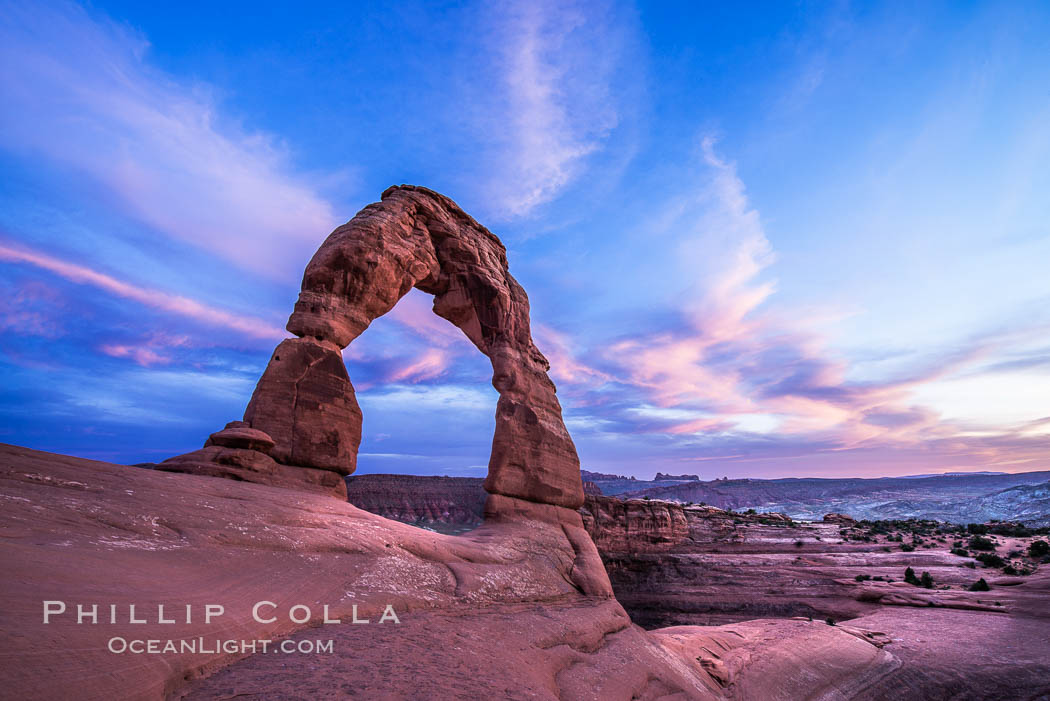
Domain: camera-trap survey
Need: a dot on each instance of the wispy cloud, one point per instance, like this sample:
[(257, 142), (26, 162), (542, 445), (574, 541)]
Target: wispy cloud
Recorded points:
[(736, 379), (142, 355), (430, 364), (79, 91), (164, 301), (26, 311), (556, 102)]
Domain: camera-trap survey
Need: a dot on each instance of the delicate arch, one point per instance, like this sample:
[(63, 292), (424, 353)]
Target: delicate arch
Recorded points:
[(414, 237)]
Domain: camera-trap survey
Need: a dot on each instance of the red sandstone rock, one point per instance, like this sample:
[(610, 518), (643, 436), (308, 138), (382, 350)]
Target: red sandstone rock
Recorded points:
[(635, 525), (239, 434), (305, 401), (511, 610), (454, 502), (254, 466), (417, 238)]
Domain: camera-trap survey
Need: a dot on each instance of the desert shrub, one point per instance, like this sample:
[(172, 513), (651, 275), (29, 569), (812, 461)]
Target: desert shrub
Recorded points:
[(960, 552), (862, 577), (991, 560), (907, 548), (910, 578), (981, 543), (1039, 548), (799, 543), (971, 564), (980, 585), (1014, 554), (926, 581), (1015, 530), (830, 621), (977, 528), (1009, 569)]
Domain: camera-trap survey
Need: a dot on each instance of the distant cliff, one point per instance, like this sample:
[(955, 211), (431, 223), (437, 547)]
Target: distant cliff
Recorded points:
[(446, 504), (957, 498)]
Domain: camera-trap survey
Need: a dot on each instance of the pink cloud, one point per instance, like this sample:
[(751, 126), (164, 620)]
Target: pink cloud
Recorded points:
[(733, 363), (415, 311), (145, 357), (33, 311), (565, 366), (175, 304), (428, 365)]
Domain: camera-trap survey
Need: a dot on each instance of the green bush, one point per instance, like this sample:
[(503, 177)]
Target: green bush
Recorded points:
[(980, 585), (907, 548), (960, 552), (981, 543), (926, 581), (991, 560), (1015, 530), (1039, 548), (910, 578), (799, 543)]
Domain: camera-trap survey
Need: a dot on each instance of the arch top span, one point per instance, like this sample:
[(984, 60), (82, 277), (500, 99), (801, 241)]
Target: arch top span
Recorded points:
[(413, 237)]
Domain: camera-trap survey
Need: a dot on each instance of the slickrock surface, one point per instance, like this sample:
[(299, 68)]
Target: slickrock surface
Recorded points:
[(305, 402), (517, 607), (952, 643), (671, 564)]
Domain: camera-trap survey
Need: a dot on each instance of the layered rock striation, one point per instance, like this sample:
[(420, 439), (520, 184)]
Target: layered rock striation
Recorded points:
[(445, 504)]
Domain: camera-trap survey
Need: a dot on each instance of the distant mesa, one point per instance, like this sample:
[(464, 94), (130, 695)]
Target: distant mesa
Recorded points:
[(302, 427), (660, 477)]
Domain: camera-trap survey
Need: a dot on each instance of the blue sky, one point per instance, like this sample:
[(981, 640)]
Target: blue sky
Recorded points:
[(774, 240)]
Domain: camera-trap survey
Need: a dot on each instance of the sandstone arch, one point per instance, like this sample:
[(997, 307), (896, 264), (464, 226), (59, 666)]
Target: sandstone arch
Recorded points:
[(302, 426)]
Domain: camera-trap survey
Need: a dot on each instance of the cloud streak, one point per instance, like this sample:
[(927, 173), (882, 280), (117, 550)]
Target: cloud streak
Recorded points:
[(79, 92), (556, 104), (174, 304)]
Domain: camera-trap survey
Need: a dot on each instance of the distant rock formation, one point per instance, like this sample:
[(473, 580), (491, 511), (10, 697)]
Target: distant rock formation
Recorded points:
[(662, 477), (635, 525), (596, 476), (456, 502), (305, 404)]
